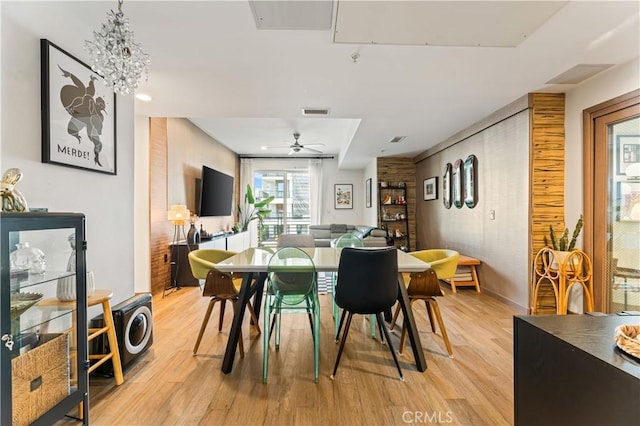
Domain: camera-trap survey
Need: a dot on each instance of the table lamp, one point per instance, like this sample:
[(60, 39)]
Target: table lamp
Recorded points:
[(178, 215)]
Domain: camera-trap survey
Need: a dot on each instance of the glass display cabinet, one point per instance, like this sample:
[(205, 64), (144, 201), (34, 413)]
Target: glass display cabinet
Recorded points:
[(43, 351)]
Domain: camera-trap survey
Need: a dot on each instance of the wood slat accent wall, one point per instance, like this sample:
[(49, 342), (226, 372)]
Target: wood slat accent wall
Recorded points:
[(547, 175), (547, 166), (394, 170), (161, 232)]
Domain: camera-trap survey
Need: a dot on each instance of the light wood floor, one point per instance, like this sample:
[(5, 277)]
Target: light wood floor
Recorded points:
[(170, 386)]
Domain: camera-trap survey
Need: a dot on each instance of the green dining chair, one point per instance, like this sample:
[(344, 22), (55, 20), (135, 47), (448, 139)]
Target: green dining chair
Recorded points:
[(291, 287)]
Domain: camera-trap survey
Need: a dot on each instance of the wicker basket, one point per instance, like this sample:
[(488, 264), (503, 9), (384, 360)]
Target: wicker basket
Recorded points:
[(40, 378), (627, 338)]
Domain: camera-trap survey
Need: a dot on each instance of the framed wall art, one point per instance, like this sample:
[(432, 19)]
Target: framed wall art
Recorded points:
[(78, 113), (469, 187), (446, 186), (343, 196), (627, 152), (456, 184), (367, 192), (430, 189)]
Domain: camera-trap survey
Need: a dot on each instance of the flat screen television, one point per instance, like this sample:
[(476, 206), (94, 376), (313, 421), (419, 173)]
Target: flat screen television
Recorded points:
[(215, 195)]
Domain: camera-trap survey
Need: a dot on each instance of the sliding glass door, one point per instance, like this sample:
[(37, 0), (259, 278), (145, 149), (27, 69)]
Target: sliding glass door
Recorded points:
[(624, 218), (612, 201), (290, 212)]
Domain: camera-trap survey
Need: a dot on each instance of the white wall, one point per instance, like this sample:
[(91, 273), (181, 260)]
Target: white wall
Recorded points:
[(371, 214), (331, 176), (502, 153), (106, 200), (603, 87), (141, 206)]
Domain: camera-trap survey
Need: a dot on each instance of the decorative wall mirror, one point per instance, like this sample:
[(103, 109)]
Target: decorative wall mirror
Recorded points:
[(446, 186), (456, 184), (470, 197)]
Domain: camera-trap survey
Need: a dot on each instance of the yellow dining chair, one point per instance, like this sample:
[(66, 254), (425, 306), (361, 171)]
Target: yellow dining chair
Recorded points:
[(219, 286), (426, 286)]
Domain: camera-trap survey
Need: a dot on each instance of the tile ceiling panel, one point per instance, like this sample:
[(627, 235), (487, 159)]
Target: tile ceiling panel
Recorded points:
[(292, 15), (441, 23)]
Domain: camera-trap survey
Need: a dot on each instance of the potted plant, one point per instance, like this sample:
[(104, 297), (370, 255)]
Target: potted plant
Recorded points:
[(562, 246), (251, 210)]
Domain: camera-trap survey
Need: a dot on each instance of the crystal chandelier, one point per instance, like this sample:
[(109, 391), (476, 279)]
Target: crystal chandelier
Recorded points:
[(115, 56)]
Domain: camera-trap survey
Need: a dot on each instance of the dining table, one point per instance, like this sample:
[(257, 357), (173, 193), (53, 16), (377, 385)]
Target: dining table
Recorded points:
[(253, 264)]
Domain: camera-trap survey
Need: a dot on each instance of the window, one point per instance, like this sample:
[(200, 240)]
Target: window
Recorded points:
[(290, 212)]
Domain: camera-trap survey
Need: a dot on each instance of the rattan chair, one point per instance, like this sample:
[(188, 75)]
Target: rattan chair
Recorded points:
[(426, 286), (219, 286)]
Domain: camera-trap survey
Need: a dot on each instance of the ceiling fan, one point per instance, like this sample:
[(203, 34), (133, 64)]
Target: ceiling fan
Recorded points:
[(296, 147)]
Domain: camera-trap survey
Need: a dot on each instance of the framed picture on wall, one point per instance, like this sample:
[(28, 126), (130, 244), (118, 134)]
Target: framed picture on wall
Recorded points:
[(78, 113), (446, 186), (627, 153), (469, 187), (367, 193), (343, 196), (456, 184), (430, 189)]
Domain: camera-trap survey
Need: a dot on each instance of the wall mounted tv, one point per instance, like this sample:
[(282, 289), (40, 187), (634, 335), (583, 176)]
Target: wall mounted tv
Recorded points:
[(215, 197)]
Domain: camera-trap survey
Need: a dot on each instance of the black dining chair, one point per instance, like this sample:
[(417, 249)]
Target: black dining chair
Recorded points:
[(367, 285)]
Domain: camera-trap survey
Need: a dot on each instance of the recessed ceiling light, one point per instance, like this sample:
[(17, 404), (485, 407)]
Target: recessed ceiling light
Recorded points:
[(264, 148), (143, 97)]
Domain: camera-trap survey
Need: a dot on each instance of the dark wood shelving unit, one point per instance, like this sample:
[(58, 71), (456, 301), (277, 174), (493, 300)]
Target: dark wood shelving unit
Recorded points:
[(394, 214)]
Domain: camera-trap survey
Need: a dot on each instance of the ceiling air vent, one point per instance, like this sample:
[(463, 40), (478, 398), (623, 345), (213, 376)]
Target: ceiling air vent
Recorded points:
[(315, 111), (397, 139)]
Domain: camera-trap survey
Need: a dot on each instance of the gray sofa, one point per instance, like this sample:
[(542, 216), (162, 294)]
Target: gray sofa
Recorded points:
[(371, 236)]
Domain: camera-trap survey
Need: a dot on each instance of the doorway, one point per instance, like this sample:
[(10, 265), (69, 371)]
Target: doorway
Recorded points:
[(612, 201)]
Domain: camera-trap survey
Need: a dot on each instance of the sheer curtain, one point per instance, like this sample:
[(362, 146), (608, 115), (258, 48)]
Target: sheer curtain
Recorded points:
[(315, 190), (246, 178), (246, 175)]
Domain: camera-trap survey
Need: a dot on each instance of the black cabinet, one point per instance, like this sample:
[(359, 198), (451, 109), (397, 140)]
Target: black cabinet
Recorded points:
[(394, 214), (181, 275), (568, 371), (43, 352)]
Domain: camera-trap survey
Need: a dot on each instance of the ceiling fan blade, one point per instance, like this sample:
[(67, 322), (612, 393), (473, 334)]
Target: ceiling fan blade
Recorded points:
[(313, 144), (279, 147), (312, 150), (291, 151)]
